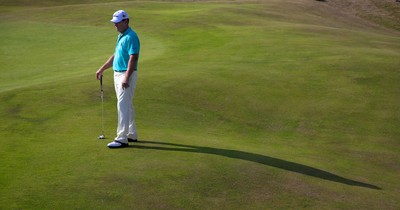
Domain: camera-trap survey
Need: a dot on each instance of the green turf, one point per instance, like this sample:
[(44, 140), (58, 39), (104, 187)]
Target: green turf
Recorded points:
[(240, 105)]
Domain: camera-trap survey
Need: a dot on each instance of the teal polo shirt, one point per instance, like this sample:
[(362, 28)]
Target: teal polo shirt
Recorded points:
[(127, 44)]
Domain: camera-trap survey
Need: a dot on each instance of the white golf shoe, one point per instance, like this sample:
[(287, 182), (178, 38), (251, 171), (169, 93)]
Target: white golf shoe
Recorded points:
[(117, 144)]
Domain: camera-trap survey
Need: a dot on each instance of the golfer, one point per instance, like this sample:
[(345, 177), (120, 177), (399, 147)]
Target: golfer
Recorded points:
[(124, 62)]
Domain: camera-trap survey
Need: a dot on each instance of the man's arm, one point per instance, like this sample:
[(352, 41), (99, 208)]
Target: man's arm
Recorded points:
[(106, 65), (133, 59)]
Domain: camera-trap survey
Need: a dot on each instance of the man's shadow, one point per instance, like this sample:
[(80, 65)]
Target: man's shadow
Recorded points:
[(257, 158)]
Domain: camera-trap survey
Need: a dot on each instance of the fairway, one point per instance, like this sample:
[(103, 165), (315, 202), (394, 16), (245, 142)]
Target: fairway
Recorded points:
[(275, 104)]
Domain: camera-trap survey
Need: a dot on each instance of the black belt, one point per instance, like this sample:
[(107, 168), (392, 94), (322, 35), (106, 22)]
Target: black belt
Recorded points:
[(123, 70)]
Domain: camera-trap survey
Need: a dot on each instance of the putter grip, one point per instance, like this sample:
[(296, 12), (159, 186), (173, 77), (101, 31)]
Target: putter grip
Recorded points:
[(101, 82)]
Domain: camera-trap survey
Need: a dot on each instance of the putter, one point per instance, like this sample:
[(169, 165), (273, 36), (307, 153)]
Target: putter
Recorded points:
[(102, 136)]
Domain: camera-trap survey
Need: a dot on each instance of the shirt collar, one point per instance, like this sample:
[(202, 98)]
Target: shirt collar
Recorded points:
[(126, 31)]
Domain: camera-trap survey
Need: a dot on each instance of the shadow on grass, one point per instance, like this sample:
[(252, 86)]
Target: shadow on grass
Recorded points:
[(262, 159)]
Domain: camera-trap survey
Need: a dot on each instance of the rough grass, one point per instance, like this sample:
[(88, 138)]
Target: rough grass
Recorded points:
[(384, 13), (239, 106)]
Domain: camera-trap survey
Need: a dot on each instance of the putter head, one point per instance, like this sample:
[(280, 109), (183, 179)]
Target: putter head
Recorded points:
[(101, 137)]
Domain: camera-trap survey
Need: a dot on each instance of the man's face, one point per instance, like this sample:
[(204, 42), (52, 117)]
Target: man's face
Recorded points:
[(121, 26)]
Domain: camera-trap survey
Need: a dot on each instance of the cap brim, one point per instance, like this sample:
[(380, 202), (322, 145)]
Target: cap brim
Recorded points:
[(115, 20)]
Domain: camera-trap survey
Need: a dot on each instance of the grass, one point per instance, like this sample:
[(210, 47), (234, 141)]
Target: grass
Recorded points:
[(240, 105), (381, 12)]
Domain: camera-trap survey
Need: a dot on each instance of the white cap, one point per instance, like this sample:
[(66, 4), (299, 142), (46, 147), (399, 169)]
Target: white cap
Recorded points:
[(118, 16)]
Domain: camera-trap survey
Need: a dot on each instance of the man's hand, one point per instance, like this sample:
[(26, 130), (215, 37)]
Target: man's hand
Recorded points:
[(99, 73), (125, 83)]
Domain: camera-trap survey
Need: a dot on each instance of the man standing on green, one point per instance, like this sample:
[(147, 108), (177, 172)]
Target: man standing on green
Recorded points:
[(124, 62)]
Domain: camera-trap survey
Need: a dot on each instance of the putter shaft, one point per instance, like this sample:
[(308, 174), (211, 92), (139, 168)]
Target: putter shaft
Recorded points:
[(102, 108)]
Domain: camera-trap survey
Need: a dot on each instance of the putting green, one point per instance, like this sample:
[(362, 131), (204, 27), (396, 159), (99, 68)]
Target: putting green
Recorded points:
[(240, 105)]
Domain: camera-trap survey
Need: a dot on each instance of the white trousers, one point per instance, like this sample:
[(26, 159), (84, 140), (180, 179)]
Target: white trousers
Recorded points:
[(126, 113)]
